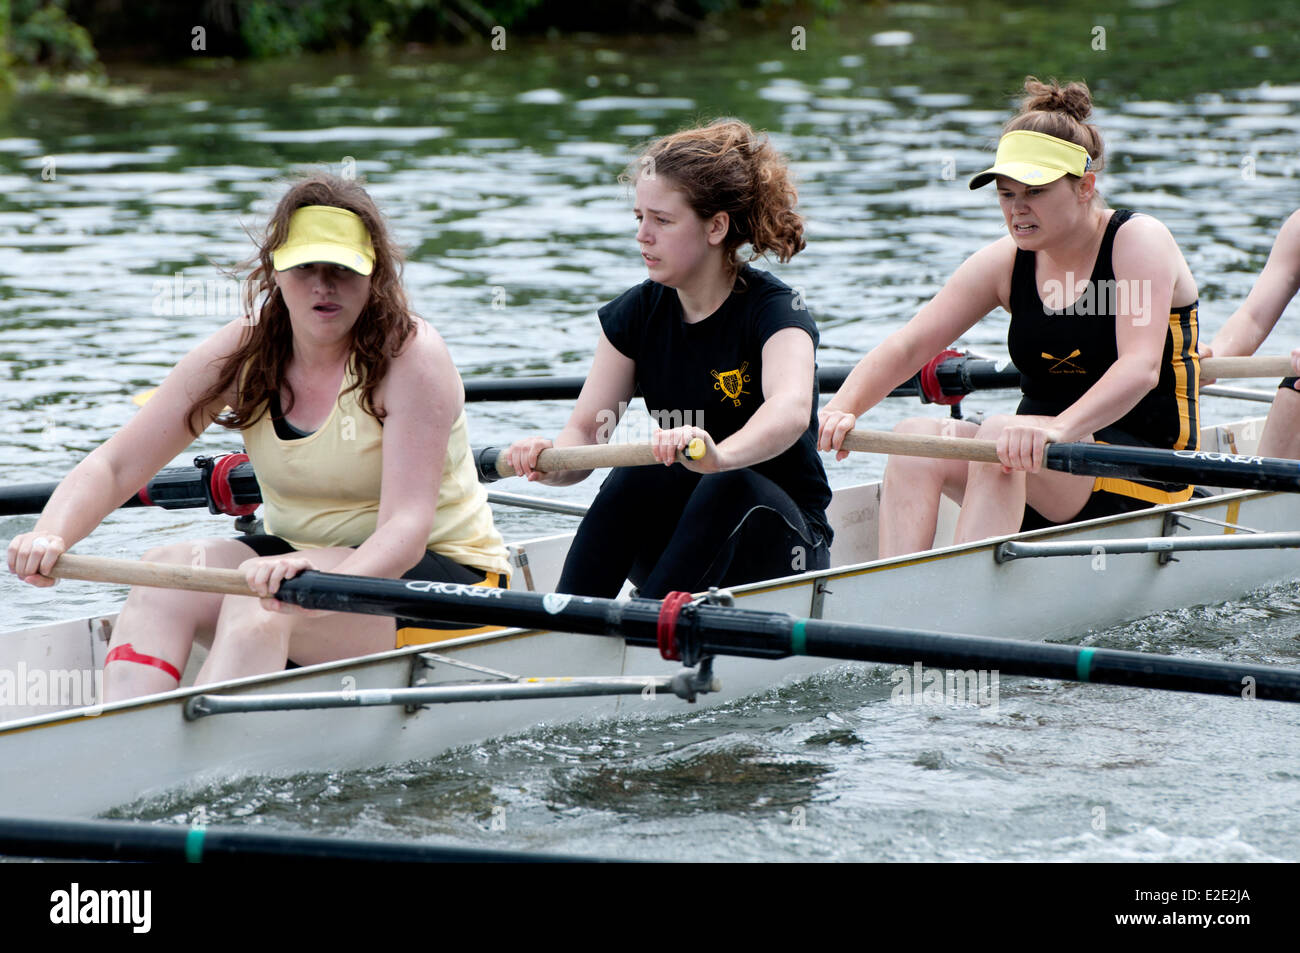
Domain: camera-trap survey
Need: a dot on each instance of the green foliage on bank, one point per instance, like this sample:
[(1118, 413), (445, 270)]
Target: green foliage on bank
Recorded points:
[(57, 34), (41, 32), (274, 29)]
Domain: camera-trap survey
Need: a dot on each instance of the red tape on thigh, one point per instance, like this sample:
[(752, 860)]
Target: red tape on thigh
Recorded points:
[(125, 653)]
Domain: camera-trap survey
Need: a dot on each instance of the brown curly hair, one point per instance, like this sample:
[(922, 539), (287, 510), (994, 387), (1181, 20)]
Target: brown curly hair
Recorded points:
[(727, 167), (257, 367), (1060, 111)]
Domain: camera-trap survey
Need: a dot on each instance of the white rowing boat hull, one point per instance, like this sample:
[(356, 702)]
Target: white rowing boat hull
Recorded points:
[(78, 762)]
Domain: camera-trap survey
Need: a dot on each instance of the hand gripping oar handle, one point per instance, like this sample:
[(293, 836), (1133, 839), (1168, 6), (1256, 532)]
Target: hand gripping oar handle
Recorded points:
[(493, 464), (1234, 470), (703, 629)]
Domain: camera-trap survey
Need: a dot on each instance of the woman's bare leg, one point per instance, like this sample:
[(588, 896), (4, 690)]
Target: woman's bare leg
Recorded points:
[(251, 640), (909, 501), (995, 501), (163, 623), (1281, 436)]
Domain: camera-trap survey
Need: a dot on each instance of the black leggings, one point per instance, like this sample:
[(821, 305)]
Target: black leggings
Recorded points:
[(671, 529)]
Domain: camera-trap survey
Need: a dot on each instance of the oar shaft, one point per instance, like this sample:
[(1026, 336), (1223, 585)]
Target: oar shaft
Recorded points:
[(1257, 366), (138, 841), (707, 629), (522, 388), (173, 488), (829, 380), (32, 497), (955, 376), (593, 457), (1238, 471), (970, 654), (187, 487), (958, 375), (227, 582), (922, 445)]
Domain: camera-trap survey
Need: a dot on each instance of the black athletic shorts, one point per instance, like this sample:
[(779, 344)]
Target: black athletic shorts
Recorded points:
[(1100, 503), (1103, 502), (433, 567)]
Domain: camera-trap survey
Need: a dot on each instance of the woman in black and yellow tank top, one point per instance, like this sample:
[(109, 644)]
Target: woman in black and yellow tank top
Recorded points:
[(1103, 330)]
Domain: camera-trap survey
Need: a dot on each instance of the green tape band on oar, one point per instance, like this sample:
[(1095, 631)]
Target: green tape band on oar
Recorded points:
[(1083, 664), (194, 845), (798, 639)]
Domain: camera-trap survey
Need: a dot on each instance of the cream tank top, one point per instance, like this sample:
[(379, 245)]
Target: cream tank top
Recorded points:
[(323, 489)]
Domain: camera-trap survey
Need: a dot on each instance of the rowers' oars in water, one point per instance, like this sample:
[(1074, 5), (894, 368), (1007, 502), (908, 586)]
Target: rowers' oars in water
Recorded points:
[(693, 631), (948, 376), (228, 485)]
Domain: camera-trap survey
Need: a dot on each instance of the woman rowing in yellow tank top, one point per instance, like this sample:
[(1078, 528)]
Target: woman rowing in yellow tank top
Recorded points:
[(353, 416)]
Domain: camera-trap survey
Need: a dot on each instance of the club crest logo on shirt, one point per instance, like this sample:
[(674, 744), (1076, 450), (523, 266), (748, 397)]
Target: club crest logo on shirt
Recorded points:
[(1064, 365), (731, 383)]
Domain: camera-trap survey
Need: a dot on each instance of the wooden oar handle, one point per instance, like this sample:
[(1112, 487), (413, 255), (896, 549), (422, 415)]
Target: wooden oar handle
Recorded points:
[(554, 459), (1257, 366), (922, 445), (128, 572)]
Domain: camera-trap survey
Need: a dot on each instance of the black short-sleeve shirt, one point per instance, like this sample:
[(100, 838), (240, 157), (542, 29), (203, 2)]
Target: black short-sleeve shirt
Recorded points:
[(709, 374)]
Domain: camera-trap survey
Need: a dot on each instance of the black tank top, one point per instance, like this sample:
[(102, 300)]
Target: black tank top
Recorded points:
[(1062, 353)]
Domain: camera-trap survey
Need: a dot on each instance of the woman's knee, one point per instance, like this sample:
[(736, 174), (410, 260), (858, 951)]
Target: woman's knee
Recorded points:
[(243, 621), (991, 427), (911, 471), (723, 499), (213, 552), (908, 475), (727, 483)]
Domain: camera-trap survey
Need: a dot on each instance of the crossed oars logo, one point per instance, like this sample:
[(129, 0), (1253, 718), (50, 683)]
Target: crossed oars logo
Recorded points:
[(1070, 368), (731, 383)]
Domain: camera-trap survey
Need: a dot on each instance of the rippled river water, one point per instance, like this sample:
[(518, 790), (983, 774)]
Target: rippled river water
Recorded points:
[(497, 171)]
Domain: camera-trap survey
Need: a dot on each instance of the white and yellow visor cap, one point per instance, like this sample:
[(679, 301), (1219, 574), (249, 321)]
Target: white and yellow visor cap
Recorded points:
[(1034, 158), (329, 234)]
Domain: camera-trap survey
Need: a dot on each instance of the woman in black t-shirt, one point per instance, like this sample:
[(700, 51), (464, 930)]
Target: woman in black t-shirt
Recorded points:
[(720, 351)]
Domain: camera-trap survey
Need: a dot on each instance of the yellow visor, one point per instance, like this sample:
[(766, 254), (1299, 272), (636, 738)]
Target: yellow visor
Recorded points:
[(1034, 158), (326, 233)]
